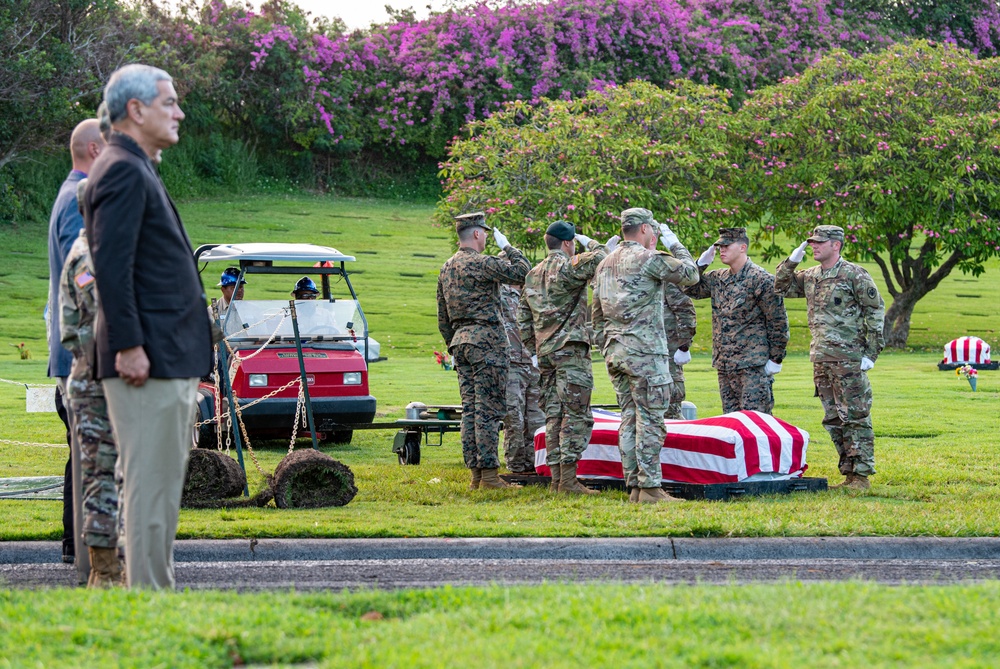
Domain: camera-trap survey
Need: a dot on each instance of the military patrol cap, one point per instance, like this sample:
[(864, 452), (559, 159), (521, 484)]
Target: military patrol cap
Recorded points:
[(563, 230), (729, 236), (637, 216), (230, 276), (476, 219), (305, 285), (822, 233)]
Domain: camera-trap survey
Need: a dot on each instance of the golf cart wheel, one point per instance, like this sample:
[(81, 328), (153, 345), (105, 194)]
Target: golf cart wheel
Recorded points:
[(410, 452), (203, 436)]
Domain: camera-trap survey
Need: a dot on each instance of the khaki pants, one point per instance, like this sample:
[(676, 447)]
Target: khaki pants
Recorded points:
[(153, 426)]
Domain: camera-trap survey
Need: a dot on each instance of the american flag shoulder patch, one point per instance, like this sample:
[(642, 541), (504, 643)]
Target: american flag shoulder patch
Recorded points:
[(84, 278)]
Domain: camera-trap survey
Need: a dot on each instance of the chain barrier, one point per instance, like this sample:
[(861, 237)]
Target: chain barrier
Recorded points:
[(12, 442), (28, 385)]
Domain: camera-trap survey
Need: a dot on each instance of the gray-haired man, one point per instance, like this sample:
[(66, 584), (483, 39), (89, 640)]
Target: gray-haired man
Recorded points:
[(153, 339)]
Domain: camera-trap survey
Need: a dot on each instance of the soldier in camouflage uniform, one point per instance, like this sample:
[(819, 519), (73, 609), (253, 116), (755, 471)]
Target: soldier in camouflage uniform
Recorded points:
[(846, 315), (92, 428), (749, 324), (679, 325), (523, 413), (628, 323), (552, 321), (468, 299)]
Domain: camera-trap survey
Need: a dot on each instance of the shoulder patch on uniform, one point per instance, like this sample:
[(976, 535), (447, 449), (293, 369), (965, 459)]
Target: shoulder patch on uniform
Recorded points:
[(84, 278), (872, 293), (575, 260)]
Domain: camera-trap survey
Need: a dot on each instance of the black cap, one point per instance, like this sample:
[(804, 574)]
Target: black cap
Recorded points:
[(563, 230)]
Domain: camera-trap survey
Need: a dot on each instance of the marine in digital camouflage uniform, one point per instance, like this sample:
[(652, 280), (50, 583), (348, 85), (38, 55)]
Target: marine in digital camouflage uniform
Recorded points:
[(523, 413), (468, 298), (552, 321), (628, 323), (846, 317), (749, 325), (679, 323), (92, 427)]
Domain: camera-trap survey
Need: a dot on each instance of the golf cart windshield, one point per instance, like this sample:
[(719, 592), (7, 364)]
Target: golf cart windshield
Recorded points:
[(317, 319)]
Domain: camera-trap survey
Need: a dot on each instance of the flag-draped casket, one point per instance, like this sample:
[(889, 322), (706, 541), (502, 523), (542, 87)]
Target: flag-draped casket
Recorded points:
[(966, 350), (740, 446)]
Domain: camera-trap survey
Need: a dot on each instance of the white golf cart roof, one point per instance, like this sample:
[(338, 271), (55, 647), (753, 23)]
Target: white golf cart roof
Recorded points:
[(306, 253)]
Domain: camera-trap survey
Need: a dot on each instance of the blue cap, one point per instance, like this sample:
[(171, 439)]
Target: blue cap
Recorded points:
[(230, 276), (305, 285)]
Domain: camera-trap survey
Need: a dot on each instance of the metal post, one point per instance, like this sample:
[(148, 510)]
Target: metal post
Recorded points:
[(233, 418), (302, 372)]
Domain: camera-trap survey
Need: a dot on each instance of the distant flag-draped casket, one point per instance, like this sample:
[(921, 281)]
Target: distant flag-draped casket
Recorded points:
[(966, 351), (740, 446)]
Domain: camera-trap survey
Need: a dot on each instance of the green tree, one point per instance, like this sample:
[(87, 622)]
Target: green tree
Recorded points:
[(586, 160), (900, 148)]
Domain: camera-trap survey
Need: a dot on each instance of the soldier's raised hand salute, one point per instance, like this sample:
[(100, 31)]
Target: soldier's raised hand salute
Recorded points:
[(501, 240), (799, 254), (667, 236), (706, 258), (584, 240)]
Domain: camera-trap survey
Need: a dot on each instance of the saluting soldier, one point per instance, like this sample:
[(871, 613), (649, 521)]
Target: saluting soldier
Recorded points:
[(468, 299), (524, 414), (552, 321), (91, 425), (628, 323), (749, 323), (846, 317)]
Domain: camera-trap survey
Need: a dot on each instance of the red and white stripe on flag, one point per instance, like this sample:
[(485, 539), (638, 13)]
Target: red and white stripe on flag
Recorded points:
[(971, 350), (723, 449)]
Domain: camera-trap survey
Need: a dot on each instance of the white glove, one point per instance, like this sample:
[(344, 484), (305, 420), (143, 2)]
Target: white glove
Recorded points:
[(612, 243), (667, 236), (682, 357), (799, 254), (584, 240), (706, 258), (771, 368), (866, 363), (500, 239), (534, 361)]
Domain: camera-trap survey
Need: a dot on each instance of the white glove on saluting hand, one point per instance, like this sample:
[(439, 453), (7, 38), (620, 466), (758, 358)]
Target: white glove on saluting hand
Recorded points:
[(500, 239), (534, 361), (866, 363), (799, 254), (668, 238), (706, 258), (682, 357), (584, 240), (771, 368), (612, 243)]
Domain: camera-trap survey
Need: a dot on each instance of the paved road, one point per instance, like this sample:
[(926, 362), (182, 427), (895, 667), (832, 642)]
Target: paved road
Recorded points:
[(397, 563)]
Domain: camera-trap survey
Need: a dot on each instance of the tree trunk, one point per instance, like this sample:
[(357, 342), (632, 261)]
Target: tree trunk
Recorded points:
[(897, 318), (915, 279)]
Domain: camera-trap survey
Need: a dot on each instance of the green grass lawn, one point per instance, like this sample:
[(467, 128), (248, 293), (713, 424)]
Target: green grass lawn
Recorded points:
[(755, 626), (937, 443)]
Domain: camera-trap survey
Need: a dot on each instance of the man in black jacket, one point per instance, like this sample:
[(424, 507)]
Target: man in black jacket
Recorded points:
[(153, 336)]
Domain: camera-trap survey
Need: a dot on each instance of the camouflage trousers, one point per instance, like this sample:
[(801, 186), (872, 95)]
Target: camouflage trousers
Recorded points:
[(523, 417), (482, 380), (642, 384), (567, 380), (846, 395), (747, 389), (678, 392), (98, 455)]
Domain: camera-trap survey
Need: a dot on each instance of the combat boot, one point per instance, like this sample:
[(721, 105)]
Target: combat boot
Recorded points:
[(655, 496), (855, 482), (633, 495), (105, 570), (554, 483), (568, 483), (477, 475), (490, 481)]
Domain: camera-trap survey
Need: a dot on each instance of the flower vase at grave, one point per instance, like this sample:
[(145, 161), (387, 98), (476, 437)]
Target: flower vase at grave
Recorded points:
[(972, 382)]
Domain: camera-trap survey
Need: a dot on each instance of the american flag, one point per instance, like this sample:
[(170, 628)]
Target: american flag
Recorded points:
[(972, 350), (723, 449)]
